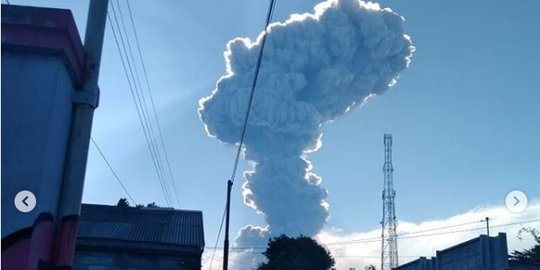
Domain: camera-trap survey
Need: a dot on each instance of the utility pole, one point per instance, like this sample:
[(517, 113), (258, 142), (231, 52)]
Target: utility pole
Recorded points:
[(227, 215), (487, 225), (389, 249), (85, 101)]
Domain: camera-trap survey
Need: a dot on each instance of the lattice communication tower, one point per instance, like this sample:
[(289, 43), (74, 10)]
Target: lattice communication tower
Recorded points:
[(389, 249)]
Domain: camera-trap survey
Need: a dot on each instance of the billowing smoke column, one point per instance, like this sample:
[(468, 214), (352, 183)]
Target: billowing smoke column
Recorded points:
[(315, 68)]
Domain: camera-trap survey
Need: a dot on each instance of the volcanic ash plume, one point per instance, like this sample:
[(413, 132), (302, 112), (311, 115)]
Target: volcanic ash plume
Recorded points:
[(315, 68)]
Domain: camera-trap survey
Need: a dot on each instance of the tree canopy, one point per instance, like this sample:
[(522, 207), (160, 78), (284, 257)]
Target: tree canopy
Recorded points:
[(298, 253), (531, 255), (123, 202)]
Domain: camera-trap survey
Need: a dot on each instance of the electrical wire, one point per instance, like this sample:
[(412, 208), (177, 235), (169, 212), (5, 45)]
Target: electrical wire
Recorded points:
[(152, 102), (237, 263), (112, 170), (473, 229), (141, 99), (253, 86), (248, 110), (159, 150), (133, 94), (217, 240), (443, 227), (256, 249), (125, 65), (403, 236), (376, 239)]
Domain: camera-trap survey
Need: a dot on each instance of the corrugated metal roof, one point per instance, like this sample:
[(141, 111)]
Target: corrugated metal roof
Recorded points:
[(156, 225)]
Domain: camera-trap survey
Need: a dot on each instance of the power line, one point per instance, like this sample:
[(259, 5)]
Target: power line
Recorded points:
[(258, 249), (152, 102), (442, 228), (473, 229), (157, 151), (142, 100), (253, 86), (134, 96), (411, 235), (244, 265), (375, 257), (402, 236), (375, 239), (144, 106), (112, 170), (243, 134), (217, 241)]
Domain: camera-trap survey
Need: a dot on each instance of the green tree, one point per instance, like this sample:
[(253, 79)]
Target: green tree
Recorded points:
[(300, 253), (123, 202), (531, 255), (152, 205)]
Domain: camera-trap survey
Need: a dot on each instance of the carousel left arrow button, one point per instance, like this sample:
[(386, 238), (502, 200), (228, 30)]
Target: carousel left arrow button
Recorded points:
[(25, 201)]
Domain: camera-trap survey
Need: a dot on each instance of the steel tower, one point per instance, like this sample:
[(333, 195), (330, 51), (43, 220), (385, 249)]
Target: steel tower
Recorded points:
[(389, 249)]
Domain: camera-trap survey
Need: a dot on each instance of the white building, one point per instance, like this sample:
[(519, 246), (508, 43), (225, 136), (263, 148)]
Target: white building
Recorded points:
[(481, 253)]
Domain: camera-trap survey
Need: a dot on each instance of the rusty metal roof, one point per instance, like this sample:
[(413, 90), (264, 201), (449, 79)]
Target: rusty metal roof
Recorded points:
[(154, 225)]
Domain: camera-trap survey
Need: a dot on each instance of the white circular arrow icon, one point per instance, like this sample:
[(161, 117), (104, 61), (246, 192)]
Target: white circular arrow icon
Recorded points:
[(25, 201), (516, 201)]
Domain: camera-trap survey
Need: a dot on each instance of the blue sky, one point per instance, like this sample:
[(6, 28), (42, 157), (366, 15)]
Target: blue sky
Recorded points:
[(464, 116)]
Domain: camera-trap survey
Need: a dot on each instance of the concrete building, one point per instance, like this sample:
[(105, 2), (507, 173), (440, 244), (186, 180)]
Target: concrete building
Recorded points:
[(44, 73), (112, 237), (481, 253)]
